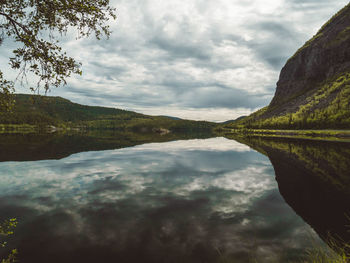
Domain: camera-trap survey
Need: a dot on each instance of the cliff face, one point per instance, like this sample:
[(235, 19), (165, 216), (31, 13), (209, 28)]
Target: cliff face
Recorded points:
[(324, 56), (313, 90)]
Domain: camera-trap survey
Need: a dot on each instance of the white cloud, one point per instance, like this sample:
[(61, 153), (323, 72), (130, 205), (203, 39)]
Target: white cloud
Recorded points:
[(177, 56), (219, 144)]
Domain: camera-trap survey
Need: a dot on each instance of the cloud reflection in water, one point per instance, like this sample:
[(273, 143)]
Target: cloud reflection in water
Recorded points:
[(183, 201)]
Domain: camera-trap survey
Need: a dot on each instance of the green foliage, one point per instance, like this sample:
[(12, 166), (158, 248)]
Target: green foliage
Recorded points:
[(11, 258), (335, 252), (27, 22), (333, 157), (327, 108), (323, 166), (342, 36), (6, 97), (6, 229), (340, 12), (43, 146), (17, 128), (42, 111), (322, 103)]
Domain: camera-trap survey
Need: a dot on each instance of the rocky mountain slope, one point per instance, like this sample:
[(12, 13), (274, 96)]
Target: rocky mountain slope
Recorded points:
[(313, 90)]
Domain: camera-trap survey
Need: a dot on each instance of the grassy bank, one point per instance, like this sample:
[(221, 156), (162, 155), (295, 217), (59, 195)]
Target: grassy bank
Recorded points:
[(18, 128), (327, 255), (338, 135)]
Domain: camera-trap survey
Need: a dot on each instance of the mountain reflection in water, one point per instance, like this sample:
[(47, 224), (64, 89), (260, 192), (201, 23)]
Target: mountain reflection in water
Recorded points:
[(314, 179), (202, 200)]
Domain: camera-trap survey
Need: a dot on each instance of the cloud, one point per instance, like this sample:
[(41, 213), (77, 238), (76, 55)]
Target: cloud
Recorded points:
[(191, 56), (177, 197)]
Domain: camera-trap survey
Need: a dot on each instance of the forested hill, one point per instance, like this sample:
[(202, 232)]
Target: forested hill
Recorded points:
[(33, 109), (313, 90), (43, 111)]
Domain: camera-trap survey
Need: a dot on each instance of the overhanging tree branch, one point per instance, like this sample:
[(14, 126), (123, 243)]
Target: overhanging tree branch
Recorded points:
[(36, 23)]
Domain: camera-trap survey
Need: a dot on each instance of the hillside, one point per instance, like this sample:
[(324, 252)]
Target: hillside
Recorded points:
[(313, 90), (43, 111)]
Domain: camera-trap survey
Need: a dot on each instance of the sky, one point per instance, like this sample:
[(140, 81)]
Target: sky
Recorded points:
[(193, 59)]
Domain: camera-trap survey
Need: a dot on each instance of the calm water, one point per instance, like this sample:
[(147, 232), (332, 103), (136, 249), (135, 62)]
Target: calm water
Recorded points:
[(201, 200)]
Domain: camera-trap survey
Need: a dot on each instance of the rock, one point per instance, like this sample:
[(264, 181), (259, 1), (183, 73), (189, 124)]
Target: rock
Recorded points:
[(313, 89), (321, 58)]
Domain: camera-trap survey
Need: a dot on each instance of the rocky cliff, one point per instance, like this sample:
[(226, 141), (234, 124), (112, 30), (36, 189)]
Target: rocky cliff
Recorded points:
[(313, 90), (323, 57)]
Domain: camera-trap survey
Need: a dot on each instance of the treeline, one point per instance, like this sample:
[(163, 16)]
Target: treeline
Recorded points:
[(327, 108), (43, 111)]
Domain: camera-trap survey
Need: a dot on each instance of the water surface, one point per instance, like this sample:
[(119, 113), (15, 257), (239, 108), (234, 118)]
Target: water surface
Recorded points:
[(200, 200)]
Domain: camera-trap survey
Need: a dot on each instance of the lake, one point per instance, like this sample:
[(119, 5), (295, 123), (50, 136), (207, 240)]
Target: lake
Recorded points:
[(84, 199)]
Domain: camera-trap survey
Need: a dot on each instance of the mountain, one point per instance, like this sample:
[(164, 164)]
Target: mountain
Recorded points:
[(43, 111), (313, 90)]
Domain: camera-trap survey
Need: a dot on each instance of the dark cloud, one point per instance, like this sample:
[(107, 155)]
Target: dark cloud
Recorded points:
[(192, 55), (276, 44), (181, 49), (225, 98)]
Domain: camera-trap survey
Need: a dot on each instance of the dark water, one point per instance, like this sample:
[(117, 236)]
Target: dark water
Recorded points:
[(196, 200)]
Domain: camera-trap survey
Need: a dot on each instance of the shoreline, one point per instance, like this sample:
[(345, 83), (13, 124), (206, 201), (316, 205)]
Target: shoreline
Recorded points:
[(329, 135)]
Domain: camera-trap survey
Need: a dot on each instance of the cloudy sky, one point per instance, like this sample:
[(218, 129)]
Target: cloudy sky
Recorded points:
[(194, 59)]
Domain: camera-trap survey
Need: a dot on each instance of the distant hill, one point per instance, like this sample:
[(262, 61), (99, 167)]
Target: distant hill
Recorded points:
[(235, 120), (170, 117), (313, 90), (42, 111)]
